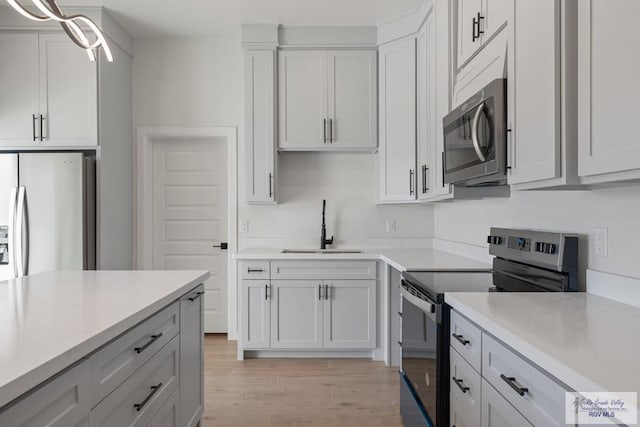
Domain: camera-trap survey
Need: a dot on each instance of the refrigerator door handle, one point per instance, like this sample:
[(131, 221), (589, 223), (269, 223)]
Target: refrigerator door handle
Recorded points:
[(12, 231), (22, 239)]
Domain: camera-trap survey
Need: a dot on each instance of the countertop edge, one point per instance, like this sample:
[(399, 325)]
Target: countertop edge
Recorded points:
[(15, 389), (563, 373)]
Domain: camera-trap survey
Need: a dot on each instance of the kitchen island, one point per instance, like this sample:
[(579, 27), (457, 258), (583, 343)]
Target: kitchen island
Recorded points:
[(102, 348)]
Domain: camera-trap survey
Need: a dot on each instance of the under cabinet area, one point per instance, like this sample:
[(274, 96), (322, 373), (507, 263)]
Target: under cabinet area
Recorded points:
[(327, 100), (493, 386), (317, 306), (49, 92)]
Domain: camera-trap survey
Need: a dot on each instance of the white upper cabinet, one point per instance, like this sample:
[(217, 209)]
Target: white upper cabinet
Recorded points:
[(543, 141), (259, 70), (428, 125), (50, 92), (352, 95), (327, 100), (397, 109), (477, 22), (19, 89), (609, 90)]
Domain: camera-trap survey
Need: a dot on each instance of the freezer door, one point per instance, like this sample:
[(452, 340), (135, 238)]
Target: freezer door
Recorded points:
[(8, 184), (52, 232)]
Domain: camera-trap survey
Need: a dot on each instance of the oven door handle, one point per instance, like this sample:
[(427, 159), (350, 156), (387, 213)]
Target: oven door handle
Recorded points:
[(426, 306), (474, 133)]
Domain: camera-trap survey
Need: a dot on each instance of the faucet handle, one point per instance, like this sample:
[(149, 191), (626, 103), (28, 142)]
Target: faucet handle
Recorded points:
[(330, 241)]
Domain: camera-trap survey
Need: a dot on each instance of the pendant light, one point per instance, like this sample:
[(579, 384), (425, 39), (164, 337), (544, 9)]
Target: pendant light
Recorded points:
[(52, 12)]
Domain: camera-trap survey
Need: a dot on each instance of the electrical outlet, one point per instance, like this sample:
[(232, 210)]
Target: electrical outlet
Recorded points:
[(244, 226), (391, 226), (601, 242)]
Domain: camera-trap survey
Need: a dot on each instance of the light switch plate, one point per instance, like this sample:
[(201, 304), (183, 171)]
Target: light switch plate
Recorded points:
[(391, 226), (601, 242), (244, 226)]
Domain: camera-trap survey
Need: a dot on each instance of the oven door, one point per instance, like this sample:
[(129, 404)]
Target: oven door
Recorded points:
[(419, 370), (475, 139)]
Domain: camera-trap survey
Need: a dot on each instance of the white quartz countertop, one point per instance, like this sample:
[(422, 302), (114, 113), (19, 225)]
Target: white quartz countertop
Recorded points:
[(403, 259), (48, 321), (588, 342)]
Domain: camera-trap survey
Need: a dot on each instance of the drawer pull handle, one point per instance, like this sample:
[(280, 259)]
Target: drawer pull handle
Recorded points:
[(512, 383), (460, 384), (153, 339), (198, 295), (154, 390), (461, 339), (255, 270)]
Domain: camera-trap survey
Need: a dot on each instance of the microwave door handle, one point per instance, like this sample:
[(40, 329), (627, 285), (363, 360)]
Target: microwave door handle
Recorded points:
[(21, 239), (474, 133)]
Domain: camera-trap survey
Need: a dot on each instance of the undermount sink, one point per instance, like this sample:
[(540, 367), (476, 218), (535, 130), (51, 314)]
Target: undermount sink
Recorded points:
[(321, 251)]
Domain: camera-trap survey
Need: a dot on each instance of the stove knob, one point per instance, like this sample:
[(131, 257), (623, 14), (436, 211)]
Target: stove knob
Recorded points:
[(551, 248), (489, 239), (497, 240), (539, 246)]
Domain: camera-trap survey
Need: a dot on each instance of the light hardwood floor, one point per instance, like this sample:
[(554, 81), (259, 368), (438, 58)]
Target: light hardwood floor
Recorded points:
[(296, 392)]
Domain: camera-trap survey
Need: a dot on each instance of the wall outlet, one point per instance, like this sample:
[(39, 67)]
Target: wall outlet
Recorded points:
[(244, 226), (391, 226), (601, 242)]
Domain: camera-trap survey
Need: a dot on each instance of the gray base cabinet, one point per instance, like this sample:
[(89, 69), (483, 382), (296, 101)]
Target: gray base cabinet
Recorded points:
[(152, 375)]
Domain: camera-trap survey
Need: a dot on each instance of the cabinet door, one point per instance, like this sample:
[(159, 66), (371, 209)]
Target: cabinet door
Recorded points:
[(19, 89), (497, 412), (350, 314), (536, 149), (68, 93), (302, 100), (259, 69), (168, 415), (296, 314), (397, 99), (426, 105), (609, 87), (256, 314), (352, 99), (192, 357), (63, 402), (468, 39)]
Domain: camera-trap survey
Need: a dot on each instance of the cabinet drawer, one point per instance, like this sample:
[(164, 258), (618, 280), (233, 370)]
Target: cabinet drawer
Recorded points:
[(139, 398), (167, 416), (465, 387), (324, 270), (62, 402), (466, 338), (112, 365), (539, 398), (255, 270), (497, 412)]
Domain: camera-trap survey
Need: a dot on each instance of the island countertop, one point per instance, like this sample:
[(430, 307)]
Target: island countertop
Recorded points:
[(49, 321)]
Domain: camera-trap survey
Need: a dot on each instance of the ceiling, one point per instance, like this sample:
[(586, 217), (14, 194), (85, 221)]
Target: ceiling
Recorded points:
[(191, 18)]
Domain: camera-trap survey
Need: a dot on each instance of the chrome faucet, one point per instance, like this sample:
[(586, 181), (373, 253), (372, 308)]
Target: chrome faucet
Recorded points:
[(323, 233)]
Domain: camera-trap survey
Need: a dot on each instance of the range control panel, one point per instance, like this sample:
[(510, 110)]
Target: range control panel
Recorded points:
[(547, 249)]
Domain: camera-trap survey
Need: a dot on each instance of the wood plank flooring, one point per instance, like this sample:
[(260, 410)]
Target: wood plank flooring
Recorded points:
[(296, 392)]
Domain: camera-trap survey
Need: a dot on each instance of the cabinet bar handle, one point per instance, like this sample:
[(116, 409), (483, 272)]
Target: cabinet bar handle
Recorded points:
[(326, 291), (33, 125), (154, 390), (270, 184), (331, 131), (411, 192), (198, 294), (460, 385), (255, 270), (400, 344), (324, 130), (153, 339), (319, 292), (512, 383), (41, 127), (266, 292), (480, 18), (443, 167), (460, 339)]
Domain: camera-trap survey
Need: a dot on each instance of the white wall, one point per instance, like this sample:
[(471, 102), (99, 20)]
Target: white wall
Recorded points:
[(199, 82), (570, 211)]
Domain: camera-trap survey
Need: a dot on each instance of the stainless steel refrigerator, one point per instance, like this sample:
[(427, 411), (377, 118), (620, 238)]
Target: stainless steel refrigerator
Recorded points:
[(47, 213)]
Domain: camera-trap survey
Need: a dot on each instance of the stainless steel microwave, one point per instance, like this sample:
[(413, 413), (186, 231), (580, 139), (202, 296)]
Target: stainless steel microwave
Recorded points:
[(475, 139)]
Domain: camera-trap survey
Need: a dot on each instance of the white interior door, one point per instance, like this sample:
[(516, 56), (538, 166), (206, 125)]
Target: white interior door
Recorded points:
[(190, 216)]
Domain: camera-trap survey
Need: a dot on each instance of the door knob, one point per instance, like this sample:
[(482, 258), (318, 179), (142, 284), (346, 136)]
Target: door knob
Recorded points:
[(222, 246)]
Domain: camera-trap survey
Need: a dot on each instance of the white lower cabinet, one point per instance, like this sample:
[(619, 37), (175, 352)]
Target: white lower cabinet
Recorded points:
[(507, 391), (310, 314), (191, 395)]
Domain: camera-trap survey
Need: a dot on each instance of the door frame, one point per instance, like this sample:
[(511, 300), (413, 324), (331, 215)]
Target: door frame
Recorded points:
[(143, 195)]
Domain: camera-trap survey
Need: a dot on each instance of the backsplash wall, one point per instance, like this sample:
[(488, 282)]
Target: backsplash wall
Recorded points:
[(570, 211)]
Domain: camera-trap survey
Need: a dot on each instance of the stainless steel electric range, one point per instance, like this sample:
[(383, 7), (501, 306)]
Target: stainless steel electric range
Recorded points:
[(525, 261)]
